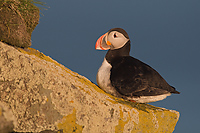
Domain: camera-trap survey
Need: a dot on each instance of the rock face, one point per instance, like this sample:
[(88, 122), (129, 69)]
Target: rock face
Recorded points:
[(7, 119), (43, 95)]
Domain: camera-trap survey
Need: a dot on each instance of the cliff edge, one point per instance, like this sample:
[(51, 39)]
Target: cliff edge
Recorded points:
[(42, 95)]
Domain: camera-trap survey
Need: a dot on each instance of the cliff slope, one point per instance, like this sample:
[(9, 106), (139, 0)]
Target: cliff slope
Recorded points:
[(43, 95)]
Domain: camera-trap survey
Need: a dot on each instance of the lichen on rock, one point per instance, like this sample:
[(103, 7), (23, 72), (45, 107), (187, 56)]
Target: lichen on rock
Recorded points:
[(46, 96)]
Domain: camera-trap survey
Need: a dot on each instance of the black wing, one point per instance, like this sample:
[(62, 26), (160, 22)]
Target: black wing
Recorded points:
[(132, 77)]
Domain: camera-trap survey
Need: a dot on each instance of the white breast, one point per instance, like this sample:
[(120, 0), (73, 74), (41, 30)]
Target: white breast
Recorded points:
[(103, 78)]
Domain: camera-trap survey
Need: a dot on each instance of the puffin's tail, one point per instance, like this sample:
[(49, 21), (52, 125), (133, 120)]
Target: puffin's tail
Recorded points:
[(174, 90)]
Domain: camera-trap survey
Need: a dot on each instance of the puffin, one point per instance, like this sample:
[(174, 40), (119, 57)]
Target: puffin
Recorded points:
[(126, 77)]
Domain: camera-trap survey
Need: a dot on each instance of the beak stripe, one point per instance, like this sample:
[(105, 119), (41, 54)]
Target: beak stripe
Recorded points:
[(101, 42)]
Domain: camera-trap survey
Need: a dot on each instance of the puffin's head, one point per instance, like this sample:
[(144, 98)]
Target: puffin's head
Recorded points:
[(114, 39)]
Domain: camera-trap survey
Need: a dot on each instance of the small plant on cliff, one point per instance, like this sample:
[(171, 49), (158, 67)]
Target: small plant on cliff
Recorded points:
[(23, 4), (17, 21)]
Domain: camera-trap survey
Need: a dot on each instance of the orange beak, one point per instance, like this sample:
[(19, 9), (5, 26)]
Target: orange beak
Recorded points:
[(101, 43)]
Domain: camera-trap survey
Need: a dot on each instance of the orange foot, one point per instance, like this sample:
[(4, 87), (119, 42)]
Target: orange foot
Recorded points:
[(132, 101)]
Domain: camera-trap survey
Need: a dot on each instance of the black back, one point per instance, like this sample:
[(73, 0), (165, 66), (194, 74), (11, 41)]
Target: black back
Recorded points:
[(132, 77)]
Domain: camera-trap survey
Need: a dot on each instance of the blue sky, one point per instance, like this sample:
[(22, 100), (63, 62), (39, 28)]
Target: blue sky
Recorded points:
[(164, 34)]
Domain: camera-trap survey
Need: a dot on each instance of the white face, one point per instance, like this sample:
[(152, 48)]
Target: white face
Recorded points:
[(116, 39)]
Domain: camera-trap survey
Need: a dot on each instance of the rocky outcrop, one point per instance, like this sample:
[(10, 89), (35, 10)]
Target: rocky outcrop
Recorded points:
[(18, 19), (43, 95)]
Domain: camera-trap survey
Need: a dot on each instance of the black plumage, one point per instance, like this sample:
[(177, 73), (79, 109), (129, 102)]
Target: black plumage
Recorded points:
[(132, 77)]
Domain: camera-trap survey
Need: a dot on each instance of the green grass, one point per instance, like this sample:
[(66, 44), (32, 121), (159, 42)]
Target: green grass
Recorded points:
[(26, 4)]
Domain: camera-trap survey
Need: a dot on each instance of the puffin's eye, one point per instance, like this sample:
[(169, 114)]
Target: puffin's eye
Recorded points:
[(115, 35)]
